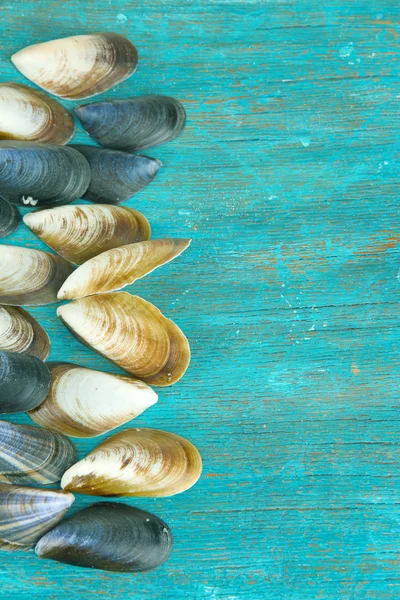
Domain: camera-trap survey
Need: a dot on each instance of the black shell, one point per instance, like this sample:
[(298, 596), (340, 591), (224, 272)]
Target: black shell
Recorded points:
[(24, 382), (109, 536), (133, 124), (116, 176), (9, 217), (33, 455), (34, 174)]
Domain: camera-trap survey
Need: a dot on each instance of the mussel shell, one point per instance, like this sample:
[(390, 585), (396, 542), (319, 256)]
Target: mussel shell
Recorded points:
[(79, 66), (116, 176), (130, 332), (85, 403), (133, 124), (9, 217), (136, 462), (32, 455), (34, 174), (30, 277), (30, 115), (116, 268), (20, 332), (80, 232), (24, 382), (109, 536), (27, 513)]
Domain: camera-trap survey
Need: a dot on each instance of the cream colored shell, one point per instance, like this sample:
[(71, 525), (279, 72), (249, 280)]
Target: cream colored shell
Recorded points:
[(29, 276), (137, 462), (20, 332), (86, 403), (132, 333), (80, 232), (116, 268), (79, 66), (30, 115)]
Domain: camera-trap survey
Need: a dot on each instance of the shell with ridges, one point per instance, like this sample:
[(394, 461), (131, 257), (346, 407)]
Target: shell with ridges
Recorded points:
[(133, 124), (27, 513), (33, 174), (10, 217), (20, 332), (136, 462), (32, 455), (30, 277), (30, 115), (116, 268), (116, 176), (24, 382), (80, 232), (79, 66), (132, 333), (109, 536), (86, 403)]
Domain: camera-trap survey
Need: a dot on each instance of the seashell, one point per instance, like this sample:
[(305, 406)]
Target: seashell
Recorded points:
[(24, 382), (116, 268), (79, 66), (116, 176), (109, 536), (85, 403), (30, 115), (136, 462), (130, 332), (80, 232), (134, 124), (20, 332), (30, 277), (42, 174), (32, 455), (9, 217), (27, 513)]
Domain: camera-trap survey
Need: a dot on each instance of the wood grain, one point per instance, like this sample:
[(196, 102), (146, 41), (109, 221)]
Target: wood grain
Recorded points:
[(287, 180)]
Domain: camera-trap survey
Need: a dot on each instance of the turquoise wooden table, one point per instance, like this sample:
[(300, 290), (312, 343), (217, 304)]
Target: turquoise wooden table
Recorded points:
[(287, 179)]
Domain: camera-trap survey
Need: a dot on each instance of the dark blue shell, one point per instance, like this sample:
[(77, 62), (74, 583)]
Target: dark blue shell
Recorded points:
[(9, 217), (24, 382), (109, 536), (34, 174), (116, 176), (134, 124)]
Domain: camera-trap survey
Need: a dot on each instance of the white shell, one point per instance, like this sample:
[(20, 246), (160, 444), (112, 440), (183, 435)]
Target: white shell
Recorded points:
[(86, 403)]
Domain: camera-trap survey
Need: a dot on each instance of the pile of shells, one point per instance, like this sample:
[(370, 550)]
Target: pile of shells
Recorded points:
[(100, 249)]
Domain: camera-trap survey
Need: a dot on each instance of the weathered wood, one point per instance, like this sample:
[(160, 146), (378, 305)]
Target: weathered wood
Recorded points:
[(287, 179)]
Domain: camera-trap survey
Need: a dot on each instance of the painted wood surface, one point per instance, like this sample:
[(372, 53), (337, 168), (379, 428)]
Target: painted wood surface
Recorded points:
[(287, 180)]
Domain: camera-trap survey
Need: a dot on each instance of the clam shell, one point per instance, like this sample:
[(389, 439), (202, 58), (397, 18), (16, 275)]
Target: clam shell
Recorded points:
[(9, 217), (32, 455), (30, 277), (136, 462), (130, 332), (109, 536), (24, 382), (80, 232), (20, 332), (42, 174), (79, 66), (116, 176), (134, 124), (30, 115), (85, 403), (116, 268), (27, 513)]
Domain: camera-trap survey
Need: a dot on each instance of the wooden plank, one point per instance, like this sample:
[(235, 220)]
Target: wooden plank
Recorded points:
[(287, 179)]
